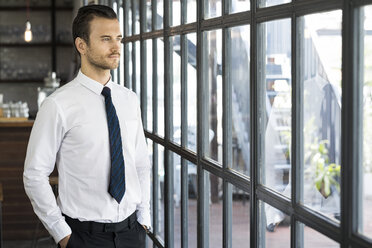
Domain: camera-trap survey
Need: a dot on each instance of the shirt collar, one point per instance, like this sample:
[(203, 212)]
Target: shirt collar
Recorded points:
[(91, 84)]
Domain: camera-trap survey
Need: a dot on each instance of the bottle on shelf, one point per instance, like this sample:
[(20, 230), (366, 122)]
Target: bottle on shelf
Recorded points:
[(51, 83)]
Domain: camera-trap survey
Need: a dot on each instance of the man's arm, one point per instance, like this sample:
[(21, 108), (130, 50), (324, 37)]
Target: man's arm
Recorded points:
[(143, 167), (46, 137)]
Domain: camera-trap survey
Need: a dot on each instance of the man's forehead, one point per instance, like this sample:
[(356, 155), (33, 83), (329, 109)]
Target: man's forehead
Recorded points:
[(104, 25)]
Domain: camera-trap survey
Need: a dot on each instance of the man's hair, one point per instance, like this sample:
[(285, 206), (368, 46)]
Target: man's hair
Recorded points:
[(81, 24)]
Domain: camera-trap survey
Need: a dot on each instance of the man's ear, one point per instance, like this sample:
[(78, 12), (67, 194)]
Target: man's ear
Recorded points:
[(81, 45)]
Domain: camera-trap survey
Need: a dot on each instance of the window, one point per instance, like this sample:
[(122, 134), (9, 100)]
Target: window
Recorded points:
[(257, 115)]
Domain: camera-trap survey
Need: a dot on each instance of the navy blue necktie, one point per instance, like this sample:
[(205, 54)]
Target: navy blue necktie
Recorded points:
[(117, 178)]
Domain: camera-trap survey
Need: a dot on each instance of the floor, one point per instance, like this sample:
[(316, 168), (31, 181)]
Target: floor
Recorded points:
[(280, 238)]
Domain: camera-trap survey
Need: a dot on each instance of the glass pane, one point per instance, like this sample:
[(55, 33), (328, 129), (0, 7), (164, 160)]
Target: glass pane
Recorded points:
[(192, 205), (277, 80), (159, 15), (160, 73), (191, 91), (191, 11), (149, 243), (149, 85), (148, 15), (213, 8), (268, 3), (320, 51), (137, 17), (276, 235), (214, 75), (313, 239), (138, 70), (129, 16), (240, 218), (215, 210), (130, 66), (176, 7), (240, 5), (176, 105), (177, 199), (367, 120), (238, 67), (161, 207), (121, 63)]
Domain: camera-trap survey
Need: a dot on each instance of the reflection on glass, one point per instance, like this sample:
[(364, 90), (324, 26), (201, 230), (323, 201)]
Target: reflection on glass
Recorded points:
[(176, 105), (276, 76), (240, 218), (191, 91), (274, 235), (214, 74), (240, 5), (239, 79), (314, 239), (215, 210), (367, 120), (320, 52), (160, 73), (214, 8), (268, 3), (191, 11), (149, 85)]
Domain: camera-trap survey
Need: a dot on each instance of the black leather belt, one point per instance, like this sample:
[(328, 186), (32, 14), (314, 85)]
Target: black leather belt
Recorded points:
[(92, 226)]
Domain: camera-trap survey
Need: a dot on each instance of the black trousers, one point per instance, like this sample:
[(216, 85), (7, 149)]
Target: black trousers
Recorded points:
[(88, 234)]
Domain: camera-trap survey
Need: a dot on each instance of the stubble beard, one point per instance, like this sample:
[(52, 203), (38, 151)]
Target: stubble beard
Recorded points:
[(101, 63)]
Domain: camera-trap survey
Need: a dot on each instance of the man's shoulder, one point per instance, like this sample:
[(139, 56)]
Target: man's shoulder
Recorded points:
[(125, 91)]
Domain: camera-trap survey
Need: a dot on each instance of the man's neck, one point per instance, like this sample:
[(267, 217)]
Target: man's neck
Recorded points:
[(99, 75)]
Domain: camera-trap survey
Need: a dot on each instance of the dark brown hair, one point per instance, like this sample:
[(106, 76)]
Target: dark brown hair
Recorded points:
[(81, 24)]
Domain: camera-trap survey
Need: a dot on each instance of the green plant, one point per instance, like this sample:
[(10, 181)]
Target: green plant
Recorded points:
[(326, 173)]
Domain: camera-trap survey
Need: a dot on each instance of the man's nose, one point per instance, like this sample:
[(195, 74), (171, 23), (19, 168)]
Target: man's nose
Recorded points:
[(116, 45)]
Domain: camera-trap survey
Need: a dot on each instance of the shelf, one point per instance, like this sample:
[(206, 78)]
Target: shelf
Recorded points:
[(41, 81), (36, 44), (30, 81), (38, 8)]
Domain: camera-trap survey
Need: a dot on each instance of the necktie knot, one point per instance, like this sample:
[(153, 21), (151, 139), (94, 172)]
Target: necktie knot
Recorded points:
[(106, 91)]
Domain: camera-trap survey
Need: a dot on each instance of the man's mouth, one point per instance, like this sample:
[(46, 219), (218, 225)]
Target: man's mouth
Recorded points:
[(115, 55)]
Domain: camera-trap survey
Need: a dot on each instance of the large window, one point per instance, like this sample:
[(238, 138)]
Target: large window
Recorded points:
[(258, 119)]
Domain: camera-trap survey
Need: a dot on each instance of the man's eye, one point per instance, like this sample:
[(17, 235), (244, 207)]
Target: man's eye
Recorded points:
[(106, 39)]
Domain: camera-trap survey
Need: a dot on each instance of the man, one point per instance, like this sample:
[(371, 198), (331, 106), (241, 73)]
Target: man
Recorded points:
[(91, 129)]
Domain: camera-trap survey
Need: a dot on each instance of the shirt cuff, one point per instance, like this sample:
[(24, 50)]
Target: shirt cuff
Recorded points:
[(60, 230), (144, 218)]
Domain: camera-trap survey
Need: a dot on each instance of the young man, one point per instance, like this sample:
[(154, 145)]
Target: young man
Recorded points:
[(91, 129)]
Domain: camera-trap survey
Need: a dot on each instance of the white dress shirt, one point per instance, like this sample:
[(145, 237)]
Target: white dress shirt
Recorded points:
[(71, 131)]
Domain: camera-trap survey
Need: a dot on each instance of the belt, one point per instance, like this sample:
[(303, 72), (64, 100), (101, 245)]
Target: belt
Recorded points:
[(92, 226)]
